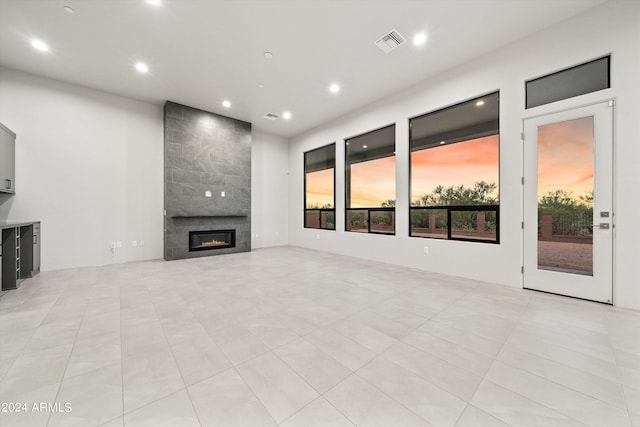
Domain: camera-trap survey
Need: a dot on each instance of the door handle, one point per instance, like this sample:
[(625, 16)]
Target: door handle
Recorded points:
[(8, 185), (602, 225)]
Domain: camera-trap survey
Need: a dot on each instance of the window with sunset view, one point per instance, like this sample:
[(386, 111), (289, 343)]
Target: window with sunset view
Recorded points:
[(455, 172), (319, 188), (370, 182)]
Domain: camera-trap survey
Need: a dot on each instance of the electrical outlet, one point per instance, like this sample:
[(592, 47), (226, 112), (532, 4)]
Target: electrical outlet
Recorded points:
[(118, 244), (426, 249), (113, 245), (141, 243), (134, 243), (222, 194)]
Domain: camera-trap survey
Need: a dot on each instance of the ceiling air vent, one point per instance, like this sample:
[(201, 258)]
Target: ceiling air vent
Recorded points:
[(390, 41), (271, 116)]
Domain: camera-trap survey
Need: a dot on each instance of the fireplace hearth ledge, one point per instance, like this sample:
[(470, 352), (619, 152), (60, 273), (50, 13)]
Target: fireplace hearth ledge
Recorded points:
[(211, 216), (207, 213)]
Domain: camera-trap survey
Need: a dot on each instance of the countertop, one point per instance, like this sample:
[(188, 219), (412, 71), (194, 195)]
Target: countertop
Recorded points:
[(13, 224)]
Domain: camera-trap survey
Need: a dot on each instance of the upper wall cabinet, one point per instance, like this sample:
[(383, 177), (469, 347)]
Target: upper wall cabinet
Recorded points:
[(7, 160)]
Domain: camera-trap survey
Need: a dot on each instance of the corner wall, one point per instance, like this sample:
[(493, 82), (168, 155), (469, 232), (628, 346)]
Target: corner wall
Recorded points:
[(563, 45), (89, 166), (269, 190)]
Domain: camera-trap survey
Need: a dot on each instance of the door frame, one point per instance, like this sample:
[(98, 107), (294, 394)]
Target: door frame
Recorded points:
[(556, 108)]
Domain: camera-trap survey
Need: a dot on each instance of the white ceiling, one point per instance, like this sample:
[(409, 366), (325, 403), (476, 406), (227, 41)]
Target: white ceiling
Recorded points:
[(201, 52)]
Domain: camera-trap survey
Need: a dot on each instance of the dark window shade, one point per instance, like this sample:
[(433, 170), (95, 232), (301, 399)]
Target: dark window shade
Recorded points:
[(460, 122), (320, 159), (579, 80), (373, 145)]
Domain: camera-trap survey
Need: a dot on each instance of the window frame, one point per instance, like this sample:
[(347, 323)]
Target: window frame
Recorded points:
[(563, 70), (304, 189), (347, 185), (449, 209)]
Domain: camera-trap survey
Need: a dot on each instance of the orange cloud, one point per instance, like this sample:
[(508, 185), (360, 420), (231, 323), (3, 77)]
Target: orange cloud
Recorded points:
[(320, 188), (373, 182), (463, 163), (565, 157)]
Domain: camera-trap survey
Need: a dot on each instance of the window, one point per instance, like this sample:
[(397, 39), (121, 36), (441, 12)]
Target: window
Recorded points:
[(370, 182), (579, 80), (455, 172), (319, 185)]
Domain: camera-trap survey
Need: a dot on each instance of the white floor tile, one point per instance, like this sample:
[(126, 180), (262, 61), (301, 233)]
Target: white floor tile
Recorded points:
[(364, 405), (455, 380), (344, 350), (474, 417), (592, 385), (226, 400), (432, 403), (309, 338), (147, 379), (632, 396), (279, 388), (174, 410), (95, 397), (516, 410), (199, 359), (455, 354), (318, 413), (320, 370), (576, 405)]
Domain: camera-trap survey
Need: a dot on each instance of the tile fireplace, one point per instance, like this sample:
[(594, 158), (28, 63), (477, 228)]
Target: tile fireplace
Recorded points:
[(209, 240), (207, 183)]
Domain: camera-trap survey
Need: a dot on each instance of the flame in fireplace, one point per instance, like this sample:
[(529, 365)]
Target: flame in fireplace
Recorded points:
[(213, 243)]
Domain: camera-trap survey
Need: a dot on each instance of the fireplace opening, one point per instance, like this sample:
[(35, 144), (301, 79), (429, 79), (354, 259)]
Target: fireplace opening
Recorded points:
[(214, 239)]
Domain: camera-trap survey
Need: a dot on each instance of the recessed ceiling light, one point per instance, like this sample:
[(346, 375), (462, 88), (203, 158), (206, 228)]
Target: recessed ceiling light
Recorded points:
[(39, 45), (154, 2), (364, 146), (68, 9), (286, 115), (419, 39), (334, 88), (480, 103), (442, 142), (268, 55), (226, 103), (142, 67)]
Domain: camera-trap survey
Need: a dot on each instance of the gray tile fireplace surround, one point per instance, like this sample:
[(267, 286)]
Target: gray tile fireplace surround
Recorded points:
[(205, 154)]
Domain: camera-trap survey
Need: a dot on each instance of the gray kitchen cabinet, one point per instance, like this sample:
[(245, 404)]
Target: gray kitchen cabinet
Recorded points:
[(36, 248), (7, 160), (20, 250)]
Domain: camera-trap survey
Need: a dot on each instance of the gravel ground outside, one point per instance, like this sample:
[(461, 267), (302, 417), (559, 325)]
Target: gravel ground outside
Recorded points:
[(569, 256)]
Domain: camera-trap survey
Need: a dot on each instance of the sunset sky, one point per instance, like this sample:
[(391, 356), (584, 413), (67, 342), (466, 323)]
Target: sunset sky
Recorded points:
[(464, 163), (373, 182), (565, 154), (565, 157), (320, 188)]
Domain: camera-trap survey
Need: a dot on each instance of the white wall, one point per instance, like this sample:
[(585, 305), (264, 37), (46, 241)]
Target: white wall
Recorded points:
[(88, 165), (269, 190), (611, 28)]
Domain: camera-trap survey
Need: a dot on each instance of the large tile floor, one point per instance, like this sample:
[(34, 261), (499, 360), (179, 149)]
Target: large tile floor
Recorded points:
[(292, 337)]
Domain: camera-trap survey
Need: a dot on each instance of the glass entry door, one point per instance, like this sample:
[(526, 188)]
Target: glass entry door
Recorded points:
[(568, 202)]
